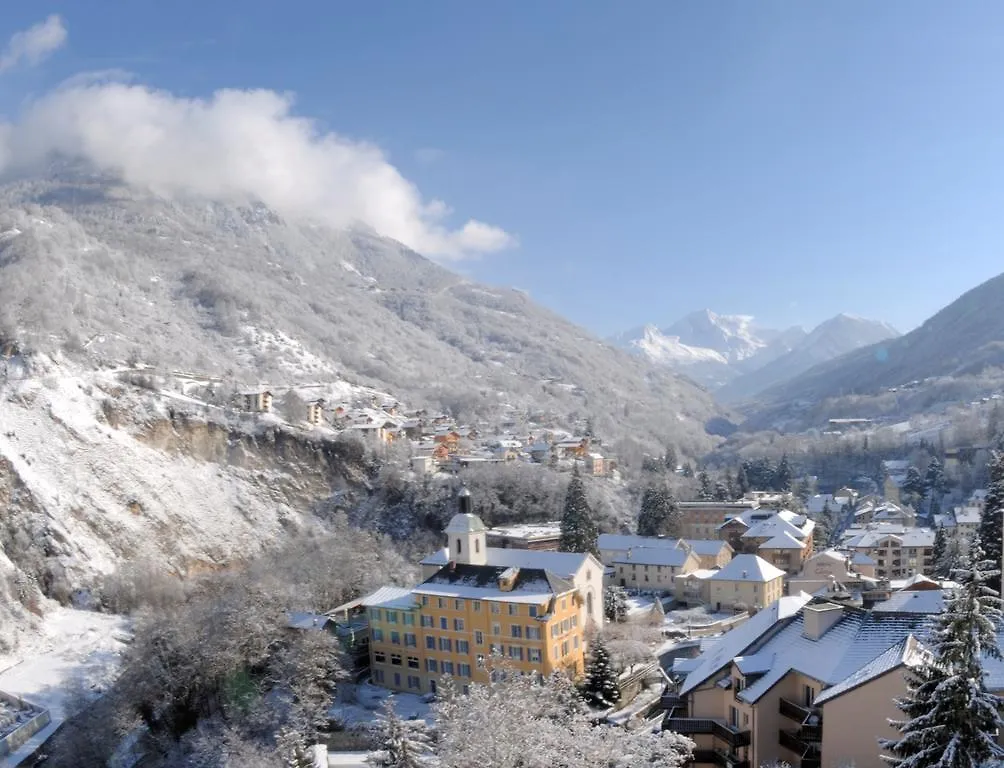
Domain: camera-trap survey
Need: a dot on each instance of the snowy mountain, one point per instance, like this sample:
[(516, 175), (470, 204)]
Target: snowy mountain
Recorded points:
[(734, 337), (832, 338), (964, 340)]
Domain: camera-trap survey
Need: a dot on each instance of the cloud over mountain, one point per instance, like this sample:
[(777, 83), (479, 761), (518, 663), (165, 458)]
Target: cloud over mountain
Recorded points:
[(235, 144)]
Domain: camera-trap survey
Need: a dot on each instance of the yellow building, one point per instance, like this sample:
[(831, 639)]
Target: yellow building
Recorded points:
[(748, 582), (654, 569), (454, 621)]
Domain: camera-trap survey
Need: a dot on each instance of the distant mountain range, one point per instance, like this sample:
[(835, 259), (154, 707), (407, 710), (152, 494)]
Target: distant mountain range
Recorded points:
[(738, 358), (963, 340)]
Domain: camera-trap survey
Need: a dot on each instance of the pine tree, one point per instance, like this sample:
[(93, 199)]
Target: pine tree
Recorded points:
[(951, 718), (803, 490), (600, 687), (913, 485), (991, 530), (721, 492), (782, 476), (704, 493), (578, 530), (934, 485), (400, 744), (730, 486), (742, 481), (938, 553), (659, 515), (688, 470), (615, 607), (670, 459)]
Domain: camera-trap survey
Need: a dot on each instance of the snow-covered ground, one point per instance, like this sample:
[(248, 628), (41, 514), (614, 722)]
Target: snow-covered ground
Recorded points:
[(698, 616), (359, 704), (75, 651)]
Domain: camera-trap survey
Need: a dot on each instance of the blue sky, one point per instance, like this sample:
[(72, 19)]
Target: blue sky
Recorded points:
[(785, 160)]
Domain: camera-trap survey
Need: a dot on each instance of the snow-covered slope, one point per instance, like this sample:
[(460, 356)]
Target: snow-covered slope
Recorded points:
[(109, 272), (833, 338), (734, 337)]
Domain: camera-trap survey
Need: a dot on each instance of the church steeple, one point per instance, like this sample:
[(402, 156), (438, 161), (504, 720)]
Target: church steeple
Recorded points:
[(465, 535)]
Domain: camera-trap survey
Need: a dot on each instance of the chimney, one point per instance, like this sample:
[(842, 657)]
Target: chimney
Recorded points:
[(817, 619)]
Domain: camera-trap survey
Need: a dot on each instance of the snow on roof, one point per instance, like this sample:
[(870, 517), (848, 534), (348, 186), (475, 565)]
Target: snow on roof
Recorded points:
[(919, 582), (907, 651), (748, 568), (967, 515), (565, 564), (705, 547), (628, 541), (830, 554), (853, 642), (925, 601), (756, 664), (701, 573), (527, 530), (465, 523), (653, 556), (389, 597), (860, 558), (740, 639), (306, 620), (783, 540), (776, 526), (481, 582)]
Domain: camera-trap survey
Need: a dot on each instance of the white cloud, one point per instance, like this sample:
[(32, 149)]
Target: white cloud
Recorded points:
[(238, 144), (34, 44)]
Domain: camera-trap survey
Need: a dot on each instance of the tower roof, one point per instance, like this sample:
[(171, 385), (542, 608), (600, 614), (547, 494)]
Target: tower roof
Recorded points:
[(465, 523)]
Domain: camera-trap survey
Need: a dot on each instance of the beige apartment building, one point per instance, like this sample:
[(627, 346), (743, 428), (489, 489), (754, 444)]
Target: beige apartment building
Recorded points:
[(804, 681), (702, 519), (748, 582), (711, 553), (898, 551), (655, 569)]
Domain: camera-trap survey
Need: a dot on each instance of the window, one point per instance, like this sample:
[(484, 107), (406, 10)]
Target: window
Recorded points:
[(430, 642), (464, 670), (496, 608), (477, 545), (410, 640), (513, 609), (458, 625), (425, 599), (479, 637), (556, 654), (575, 642), (380, 657), (496, 629), (460, 546), (375, 613), (555, 629), (427, 621), (481, 660), (533, 633), (564, 603), (395, 659), (414, 682), (808, 695), (516, 631), (395, 638), (574, 621), (445, 644), (442, 603), (392, 617), (409, 619), (495, 649), (516, 652), (431, 665), (533, 655), (565, 624), (447, 667), (397, 679), (444, 623), (413, 662), (378, 675), (533, 611), (463, 646), (458, 605), (477, 606), (377, 635), (733, 717), (564, 648)]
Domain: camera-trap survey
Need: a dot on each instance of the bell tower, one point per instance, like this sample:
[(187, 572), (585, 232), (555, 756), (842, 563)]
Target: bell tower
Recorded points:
[(465, 535)]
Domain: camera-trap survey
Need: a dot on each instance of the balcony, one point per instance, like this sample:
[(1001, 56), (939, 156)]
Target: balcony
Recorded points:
[(797, 712), (807, 753), (720, 758), (717, 728)]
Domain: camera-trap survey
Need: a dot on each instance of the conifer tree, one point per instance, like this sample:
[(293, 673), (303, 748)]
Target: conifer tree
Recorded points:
[(782, 476), (670, 459), (600, 687), (721, 492), (615, 607), (578, 530), (705, 493), (913, 485), (659, 515), (991, 530), (938, 553), (401, 745), (951, 718), (742, 481)]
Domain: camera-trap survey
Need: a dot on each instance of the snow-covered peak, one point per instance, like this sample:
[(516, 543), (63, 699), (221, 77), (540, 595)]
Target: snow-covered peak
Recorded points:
[(734, 337)]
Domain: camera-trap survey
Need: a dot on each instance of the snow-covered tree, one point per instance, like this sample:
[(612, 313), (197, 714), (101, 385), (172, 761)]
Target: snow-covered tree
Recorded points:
[(705, 491), (615, 607), (659, 514), (578, 530), (951, 718), (516, 722), (991, 531), (782, 475), (600, 686), (935, 484), (400, 744), (938, 553), (913, 486)]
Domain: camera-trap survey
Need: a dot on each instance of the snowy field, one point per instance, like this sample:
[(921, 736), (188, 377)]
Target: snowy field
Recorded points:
[(75, 651), (698, 616), (359, 704)]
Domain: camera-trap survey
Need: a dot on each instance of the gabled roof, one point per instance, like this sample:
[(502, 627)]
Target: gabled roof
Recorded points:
[(705, 547), (737, 641), (390, 597), (748, 568), (783, 540), (607, 541), (465, 523), (922, 601), (908, 651), (776, 526)]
